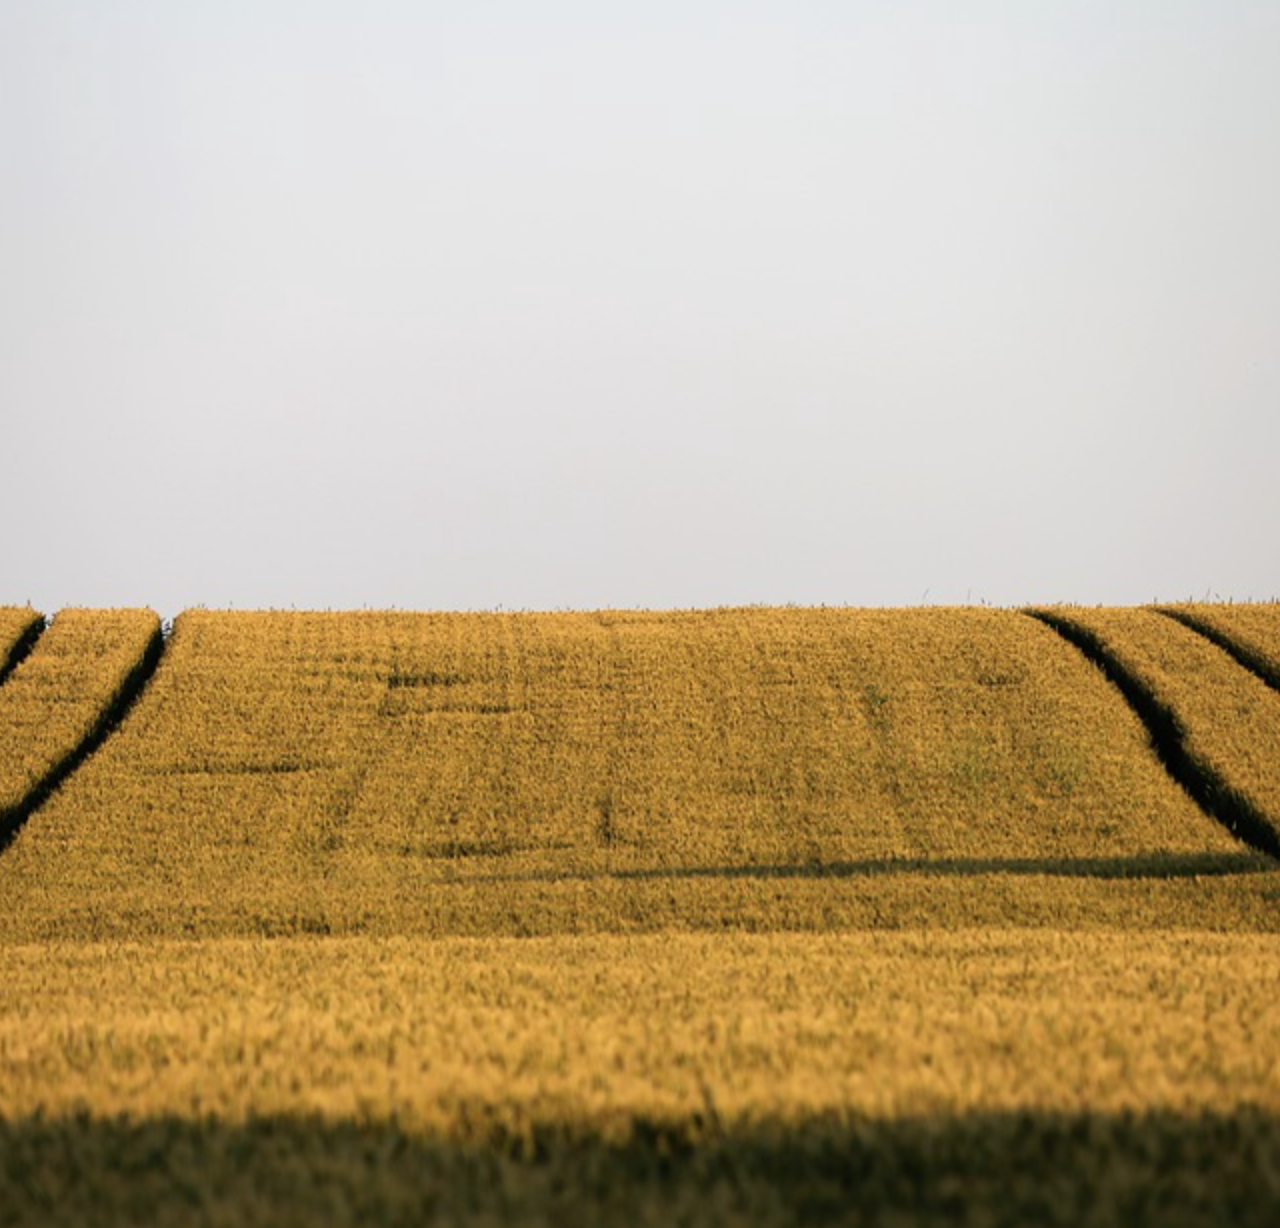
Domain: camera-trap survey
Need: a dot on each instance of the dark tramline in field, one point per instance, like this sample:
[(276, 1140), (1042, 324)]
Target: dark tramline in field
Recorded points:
[(1218, 720), (19, 630), (64, 697), (1249, 633)]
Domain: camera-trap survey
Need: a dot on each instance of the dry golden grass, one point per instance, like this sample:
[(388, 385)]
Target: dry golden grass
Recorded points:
[(1229, 718), (711, 1079), (55, 698), (491, 774)]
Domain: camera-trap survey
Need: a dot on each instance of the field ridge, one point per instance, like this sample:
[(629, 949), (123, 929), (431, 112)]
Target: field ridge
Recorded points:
[(15, 816), (1202, 782)]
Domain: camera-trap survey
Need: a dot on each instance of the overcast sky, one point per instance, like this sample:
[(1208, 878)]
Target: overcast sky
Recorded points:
[(542, 305)]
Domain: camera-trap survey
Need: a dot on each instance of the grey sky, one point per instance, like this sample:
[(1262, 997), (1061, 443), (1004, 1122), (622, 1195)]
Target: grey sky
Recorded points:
[(582, 304)]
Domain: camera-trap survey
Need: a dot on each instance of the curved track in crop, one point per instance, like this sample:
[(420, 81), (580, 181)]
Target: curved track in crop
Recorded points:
[(1206, 786), (118, 706), (1259, 666), (21, 648)]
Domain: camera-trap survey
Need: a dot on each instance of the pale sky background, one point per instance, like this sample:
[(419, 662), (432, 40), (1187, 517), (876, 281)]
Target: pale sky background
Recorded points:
[(545, 304)]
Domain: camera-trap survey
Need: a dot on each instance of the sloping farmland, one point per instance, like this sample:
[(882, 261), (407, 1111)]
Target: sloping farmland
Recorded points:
[(518, 774)]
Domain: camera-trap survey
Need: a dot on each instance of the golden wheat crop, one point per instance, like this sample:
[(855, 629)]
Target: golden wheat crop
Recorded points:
[(451, 1034), (1228, 718), (55, 698), (560, 772), (682, 1069)]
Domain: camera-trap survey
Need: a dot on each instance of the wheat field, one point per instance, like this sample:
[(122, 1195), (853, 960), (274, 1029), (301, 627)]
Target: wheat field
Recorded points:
[(752, 915)]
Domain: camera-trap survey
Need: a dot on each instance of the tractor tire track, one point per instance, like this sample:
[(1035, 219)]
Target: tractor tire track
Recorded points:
[(1258, 665), (22, 647), (14, 817), (1202, 782)]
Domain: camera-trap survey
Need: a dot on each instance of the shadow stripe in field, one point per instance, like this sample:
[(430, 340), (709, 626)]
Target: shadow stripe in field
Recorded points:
[(1156, 865), (1264, 670), (21, 647), (1190, 1169), (14, 816), (1206, 785)]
